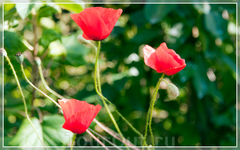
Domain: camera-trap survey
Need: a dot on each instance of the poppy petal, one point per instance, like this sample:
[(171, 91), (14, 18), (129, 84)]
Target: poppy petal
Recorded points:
[(78, 114), (110, 17), (97, 22), (163, 60), (150, 57), (80, 121)]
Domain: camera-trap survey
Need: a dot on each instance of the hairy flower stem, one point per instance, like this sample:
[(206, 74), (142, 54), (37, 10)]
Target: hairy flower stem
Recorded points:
[(24, 101), (45, 83), (102, 97), (73, 140), (95, 138), (37, 88), (96, 81), (150, 110)]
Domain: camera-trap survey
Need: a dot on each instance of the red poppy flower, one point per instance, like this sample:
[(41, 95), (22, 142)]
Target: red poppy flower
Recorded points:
[(97, 22), (78, 114), (163, 60)]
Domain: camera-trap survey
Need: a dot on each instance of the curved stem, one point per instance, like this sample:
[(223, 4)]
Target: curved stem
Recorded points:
[(153, 102), (45, 83), (38, 89), (165, 80), (73, 140), (95, 138), (150, 110), (97, 90), (23, 98)]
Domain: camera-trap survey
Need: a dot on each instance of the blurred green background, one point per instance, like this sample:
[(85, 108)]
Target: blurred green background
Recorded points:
[(203, 34)]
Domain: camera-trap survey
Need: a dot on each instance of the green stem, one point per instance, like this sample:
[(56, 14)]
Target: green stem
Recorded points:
[(150, 110), (153, 102), (165, 80), (45, 83), (60, 96), (99, 92), (38, 89), (73, 139), (23, 98), (96, 80)]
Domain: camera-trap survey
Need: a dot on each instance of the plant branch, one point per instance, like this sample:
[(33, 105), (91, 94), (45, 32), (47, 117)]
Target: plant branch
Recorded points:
[(23, 98), (38, 89)]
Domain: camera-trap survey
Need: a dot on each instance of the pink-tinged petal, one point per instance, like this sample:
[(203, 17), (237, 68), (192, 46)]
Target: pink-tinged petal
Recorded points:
[(150, 57), (163, 60)]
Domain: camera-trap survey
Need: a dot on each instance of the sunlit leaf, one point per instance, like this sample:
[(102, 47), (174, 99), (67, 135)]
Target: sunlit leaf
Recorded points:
[(53, 133), (26, 135), (24, 9), (76, 8), (50, 132)]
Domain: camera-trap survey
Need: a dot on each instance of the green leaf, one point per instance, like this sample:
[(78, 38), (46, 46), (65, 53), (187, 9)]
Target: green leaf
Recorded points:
[(50, 131), (13, 43), (156, 12), (48, 36), (46, 11), (26, 135), (24, 9), (75, 50), (53, 133), (215, 23), (76, 8)]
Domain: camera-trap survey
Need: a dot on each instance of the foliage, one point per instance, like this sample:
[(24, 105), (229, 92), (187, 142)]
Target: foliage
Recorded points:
[(204, 35)]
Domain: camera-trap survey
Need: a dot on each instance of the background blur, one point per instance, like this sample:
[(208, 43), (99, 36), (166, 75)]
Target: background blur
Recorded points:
[(203, 34)]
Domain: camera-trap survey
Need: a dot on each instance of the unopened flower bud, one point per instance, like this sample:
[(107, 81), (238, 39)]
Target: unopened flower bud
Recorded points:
[(19, 57), (38, 61), (172, 90), (3, 52)]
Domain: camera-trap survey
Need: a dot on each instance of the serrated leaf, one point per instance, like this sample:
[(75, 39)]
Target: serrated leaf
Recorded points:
[(26, 135), (24, 9), (156, 12)]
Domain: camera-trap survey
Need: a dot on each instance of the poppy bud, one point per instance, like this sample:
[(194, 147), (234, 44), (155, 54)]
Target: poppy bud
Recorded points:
[(172, 90), (19, 57), (3, 52), (38, 61)]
